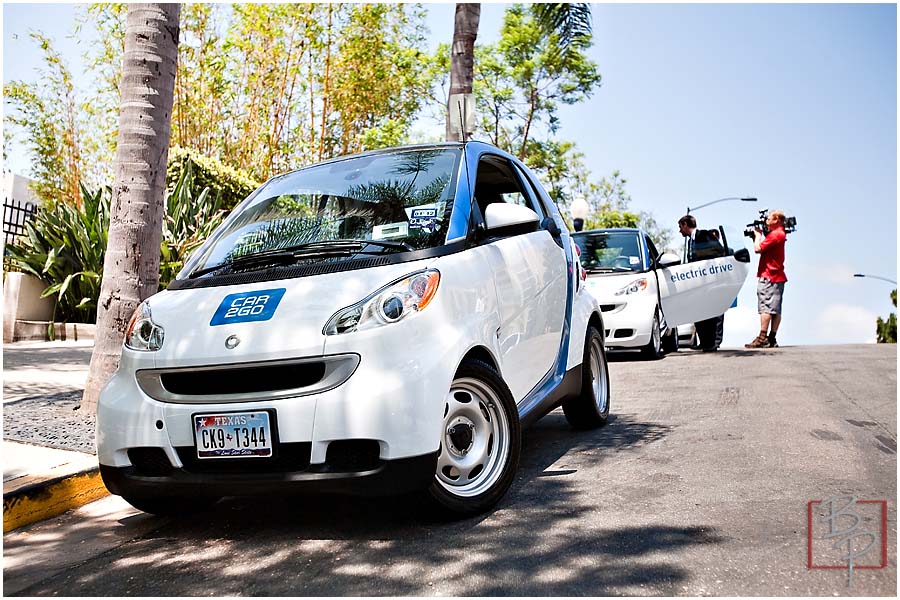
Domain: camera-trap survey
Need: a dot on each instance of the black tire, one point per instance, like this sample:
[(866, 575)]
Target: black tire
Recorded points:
[(171, 506), (481, 441), (653, 350), (591, 408), (670, 341)]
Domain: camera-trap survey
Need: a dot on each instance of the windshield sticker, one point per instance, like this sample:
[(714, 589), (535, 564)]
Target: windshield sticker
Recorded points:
[(390, 231), (424, 218), (633, 260), (247, 306)]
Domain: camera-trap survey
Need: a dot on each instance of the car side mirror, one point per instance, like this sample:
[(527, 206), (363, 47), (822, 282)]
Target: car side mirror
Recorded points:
[(667, 259), (502, 218), (742, 255)]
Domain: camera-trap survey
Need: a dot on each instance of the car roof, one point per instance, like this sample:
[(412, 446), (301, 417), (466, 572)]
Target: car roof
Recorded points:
[(611, 230), (404, 148)]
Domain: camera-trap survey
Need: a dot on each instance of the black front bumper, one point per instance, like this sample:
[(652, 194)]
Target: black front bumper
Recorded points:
[(390, 477)]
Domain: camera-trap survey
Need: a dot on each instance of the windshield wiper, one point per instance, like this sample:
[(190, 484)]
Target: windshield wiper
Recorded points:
[(289, 254), (382, 243)]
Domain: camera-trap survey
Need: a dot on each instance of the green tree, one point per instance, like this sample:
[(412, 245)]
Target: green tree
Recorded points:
[(886, 330), (269, 87), (521, 82), (48, 114)]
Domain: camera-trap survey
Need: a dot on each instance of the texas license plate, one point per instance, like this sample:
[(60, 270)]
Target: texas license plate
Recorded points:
[(233, 435)]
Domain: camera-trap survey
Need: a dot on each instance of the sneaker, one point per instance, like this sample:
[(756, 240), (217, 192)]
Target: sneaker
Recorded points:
[(771, 341), (761, 341)]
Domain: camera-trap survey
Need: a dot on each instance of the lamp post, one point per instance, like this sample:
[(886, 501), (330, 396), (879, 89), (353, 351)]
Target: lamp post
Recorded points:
[(719, 200), (875, 277), (579, 210)]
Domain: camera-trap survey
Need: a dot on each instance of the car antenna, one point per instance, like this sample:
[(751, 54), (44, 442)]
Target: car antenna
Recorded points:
[(462, 123)]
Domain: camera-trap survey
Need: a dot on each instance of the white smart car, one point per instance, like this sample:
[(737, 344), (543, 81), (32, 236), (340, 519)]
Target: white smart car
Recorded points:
[(645, 296), (379, 323)]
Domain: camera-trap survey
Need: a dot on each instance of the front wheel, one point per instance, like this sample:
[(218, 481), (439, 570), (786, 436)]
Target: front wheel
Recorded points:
[(590, 409), (653, 350), (480, 442)]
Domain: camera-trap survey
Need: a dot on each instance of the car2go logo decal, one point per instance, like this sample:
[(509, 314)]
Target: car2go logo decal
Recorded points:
[(247, 306)]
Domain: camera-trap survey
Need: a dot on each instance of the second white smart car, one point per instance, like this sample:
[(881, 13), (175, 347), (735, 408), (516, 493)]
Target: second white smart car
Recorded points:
[(645, 295), (381, 323)]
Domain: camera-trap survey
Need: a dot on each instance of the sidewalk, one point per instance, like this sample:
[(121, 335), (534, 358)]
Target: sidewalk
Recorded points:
[(49, 461)]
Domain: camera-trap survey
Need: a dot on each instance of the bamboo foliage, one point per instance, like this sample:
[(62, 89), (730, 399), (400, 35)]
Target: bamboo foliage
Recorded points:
[(50, 117), (266, 88)]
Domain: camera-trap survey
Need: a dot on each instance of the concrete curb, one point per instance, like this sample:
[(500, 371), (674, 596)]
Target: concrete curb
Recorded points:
[(45, 499)]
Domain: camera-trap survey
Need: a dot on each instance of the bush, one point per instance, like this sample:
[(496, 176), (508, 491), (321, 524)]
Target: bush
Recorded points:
[(64, 245), (230, 184), (188, 222)]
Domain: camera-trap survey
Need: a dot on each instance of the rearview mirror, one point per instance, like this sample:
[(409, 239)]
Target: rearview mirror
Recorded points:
[(667, 259)]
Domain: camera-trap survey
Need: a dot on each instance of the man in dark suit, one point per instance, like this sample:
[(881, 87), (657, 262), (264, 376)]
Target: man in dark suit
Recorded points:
[(703, 244)]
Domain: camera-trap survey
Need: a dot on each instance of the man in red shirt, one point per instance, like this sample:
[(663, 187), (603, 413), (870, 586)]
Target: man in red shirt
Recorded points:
[(770, 289)]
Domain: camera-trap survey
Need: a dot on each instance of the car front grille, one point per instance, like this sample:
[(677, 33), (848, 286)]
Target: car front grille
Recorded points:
[(247, 382), (243, 380)]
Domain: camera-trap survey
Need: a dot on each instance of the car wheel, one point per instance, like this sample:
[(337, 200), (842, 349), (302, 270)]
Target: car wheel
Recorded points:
[(670, 341), (653, 350), (591, 408), (480, 442), (171, 506)]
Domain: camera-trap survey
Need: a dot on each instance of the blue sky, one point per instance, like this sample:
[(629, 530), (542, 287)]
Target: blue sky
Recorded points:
[(793, 104)]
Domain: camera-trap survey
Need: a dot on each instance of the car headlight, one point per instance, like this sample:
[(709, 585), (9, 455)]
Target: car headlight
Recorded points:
[(394, 302), (142, 333), (638, 285)]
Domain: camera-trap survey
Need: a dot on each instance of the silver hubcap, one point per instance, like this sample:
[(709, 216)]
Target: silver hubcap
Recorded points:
[(656, 338), (474, 440), (598, 377)]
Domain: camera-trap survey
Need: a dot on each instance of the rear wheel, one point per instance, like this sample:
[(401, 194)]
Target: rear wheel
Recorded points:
[(171, 506), (480, 442), (653, 350), (591, 408)]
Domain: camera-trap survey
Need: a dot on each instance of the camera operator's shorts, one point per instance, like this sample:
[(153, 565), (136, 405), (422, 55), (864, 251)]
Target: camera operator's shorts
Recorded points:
[(768, 296)]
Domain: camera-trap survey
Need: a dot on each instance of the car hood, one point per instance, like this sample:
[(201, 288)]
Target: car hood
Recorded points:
[(195, 333)]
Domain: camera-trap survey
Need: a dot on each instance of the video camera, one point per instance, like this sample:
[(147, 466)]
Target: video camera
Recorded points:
[(790, 224)]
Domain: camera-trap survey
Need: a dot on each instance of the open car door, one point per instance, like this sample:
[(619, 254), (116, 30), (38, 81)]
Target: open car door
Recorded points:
[(705, 287)]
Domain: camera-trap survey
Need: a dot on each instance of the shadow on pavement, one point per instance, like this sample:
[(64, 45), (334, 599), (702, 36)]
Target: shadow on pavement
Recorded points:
[(538, 540)]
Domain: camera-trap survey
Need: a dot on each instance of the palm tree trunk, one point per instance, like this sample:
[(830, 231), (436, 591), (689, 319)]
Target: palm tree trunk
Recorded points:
[(462, 54), (131, 266)]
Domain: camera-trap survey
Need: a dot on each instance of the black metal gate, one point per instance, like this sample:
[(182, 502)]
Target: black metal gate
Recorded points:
[(15, 215)]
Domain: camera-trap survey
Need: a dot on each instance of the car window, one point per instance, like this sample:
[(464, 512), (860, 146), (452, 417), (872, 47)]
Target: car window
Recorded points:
[(611, 252), (497, 181), (401, 198), (707, 244), (653, 254)]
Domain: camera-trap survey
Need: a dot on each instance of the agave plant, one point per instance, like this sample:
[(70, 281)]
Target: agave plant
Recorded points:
[(189, 221), (64, 246)]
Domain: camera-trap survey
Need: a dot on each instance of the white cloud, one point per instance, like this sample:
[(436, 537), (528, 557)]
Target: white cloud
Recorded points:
[(845, 324), (831, 274)]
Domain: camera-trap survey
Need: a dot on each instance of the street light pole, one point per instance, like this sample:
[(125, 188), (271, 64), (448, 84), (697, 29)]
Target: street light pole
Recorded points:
[(579, 210), (719, 200), (875, 277)]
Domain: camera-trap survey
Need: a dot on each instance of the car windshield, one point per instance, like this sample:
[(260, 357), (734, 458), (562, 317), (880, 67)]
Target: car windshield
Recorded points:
[(610, 252), (388, 202)]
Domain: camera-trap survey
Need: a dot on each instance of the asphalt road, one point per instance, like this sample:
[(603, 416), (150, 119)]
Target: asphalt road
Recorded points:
[(699, 485)]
